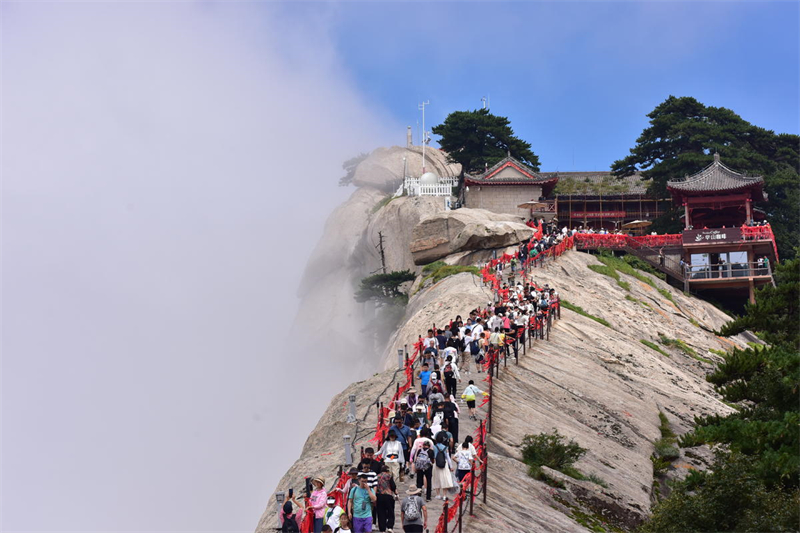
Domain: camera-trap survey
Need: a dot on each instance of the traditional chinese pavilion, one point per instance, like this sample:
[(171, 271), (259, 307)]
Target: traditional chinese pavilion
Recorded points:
[(506, 185), (725, 245)]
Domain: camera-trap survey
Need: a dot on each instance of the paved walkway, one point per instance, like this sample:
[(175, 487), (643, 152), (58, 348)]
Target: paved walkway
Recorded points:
[(466, 426)]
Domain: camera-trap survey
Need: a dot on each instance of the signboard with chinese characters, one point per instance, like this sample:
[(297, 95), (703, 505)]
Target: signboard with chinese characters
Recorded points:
[(712, 236)]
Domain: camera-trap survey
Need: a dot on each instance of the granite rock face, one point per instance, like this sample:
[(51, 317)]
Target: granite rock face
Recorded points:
[(383, 168), (450, 232), (595, 384)]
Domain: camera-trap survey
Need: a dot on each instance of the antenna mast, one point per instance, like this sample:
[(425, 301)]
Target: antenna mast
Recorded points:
[(424, 133)]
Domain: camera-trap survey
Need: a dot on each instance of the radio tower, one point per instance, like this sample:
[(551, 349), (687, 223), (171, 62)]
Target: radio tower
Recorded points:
[(424, 133)]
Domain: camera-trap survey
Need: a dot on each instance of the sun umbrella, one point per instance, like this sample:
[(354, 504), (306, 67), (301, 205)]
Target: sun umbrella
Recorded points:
[(532, 204), (637, 224)]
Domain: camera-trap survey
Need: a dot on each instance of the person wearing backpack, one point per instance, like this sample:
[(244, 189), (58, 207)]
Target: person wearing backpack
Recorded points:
[(423, 465), (442, 469), (289, 519), (359, 506), (387, 494), (451, 377), (414, 512), (332, 514)]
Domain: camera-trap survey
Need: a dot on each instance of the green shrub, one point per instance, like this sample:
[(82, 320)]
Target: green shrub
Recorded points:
[(580, 311), (666, 294), (594, 478), (632, 299), (664, 427), (665, 449), (679, 344), (438, 270), (551, 450), (382, 203), (605, 270), (638, 264), (654, 347), (620, 265), (433, 267)]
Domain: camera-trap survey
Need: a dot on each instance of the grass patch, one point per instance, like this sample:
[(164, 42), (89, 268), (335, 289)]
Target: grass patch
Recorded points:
[(679, 344), (624, 284), (433, 267), (638, 264), (665, 449), (666, 294), (721, 353), (597, 480), (438, 270), (654, 346), (382, 203), (553, 451), (580, 311), (605, 270), (694, 322), (632, 299), (624, 267), (592, 522)]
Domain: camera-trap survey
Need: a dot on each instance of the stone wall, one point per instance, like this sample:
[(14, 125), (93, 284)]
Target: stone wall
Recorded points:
[(503, 199)]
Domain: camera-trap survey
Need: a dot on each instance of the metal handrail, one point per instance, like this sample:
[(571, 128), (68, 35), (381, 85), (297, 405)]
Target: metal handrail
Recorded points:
[(727, 270)]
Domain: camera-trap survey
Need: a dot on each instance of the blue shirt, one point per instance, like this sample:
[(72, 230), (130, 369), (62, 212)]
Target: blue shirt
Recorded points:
[(425, 377), (402, 434)]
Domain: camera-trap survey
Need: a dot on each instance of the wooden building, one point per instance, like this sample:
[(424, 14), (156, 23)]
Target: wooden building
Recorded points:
[(506, 185), (599, 200), (724, 246)]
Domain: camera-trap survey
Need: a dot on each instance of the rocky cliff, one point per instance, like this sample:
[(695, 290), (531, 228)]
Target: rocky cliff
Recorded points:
[(597, 384)]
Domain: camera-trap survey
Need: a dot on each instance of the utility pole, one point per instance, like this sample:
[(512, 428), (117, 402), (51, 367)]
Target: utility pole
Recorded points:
[(424, 133), (380, 249)]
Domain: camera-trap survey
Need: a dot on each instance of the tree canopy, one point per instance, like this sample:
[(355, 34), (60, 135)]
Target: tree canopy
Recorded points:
[(754, 484), (384, 289), (349, 167), (681, 140), (476, 139)]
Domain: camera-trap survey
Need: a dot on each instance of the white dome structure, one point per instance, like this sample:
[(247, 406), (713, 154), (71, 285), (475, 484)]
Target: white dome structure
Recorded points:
[(429, 178)]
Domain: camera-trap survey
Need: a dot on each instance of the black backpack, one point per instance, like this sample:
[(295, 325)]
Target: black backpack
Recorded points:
[(474, 347), (290, 525), (441, 460)]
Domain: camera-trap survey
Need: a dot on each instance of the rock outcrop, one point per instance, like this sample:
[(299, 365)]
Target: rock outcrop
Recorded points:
[(598, 385), (461, 230), (383, 168)]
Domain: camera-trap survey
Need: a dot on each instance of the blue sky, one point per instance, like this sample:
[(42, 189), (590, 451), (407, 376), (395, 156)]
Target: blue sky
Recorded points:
[(160, 160), (575, 78)]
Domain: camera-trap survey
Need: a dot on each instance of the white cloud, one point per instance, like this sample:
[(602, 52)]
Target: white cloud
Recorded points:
[(166, 170)]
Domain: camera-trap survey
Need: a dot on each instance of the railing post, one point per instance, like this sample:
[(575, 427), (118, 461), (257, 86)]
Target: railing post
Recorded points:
[(445, 512), (472, 487), (460, 508), (485, 471), (491, 398)]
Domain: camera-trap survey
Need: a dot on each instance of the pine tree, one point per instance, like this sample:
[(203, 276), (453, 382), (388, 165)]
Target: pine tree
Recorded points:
[(476, 139), (681, 140)]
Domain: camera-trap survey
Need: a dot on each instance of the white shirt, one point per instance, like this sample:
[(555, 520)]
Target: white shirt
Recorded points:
[(477, 330)]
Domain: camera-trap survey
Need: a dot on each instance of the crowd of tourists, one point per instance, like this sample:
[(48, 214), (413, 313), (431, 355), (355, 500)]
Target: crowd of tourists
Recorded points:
[(424, 446)]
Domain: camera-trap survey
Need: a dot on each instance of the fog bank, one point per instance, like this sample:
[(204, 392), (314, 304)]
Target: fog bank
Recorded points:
[(166, 170)]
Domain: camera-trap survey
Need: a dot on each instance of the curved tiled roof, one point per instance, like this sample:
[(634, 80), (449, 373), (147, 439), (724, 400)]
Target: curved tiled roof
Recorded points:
[(489, 178), (716, 177)]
